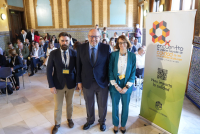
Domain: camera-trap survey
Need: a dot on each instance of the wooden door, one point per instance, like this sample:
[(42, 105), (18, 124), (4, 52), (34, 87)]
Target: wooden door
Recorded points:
[(16, 24)]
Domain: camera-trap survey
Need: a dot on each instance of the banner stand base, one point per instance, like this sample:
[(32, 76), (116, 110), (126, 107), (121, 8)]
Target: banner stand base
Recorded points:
[(156, 126)]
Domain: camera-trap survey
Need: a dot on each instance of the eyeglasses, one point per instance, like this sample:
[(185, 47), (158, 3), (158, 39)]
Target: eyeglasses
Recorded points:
[(96, 37), (120, 43)]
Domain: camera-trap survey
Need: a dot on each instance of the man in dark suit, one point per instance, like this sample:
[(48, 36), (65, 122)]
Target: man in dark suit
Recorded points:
[(92, 76), (62, 64), (30, 36)]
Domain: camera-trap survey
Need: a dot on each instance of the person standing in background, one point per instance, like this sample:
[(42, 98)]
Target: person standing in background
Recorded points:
[(36, 36), (138, 33)]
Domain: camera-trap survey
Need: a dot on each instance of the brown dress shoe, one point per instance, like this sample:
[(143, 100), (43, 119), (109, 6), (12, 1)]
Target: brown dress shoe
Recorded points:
[(70, 123), (55, 129)]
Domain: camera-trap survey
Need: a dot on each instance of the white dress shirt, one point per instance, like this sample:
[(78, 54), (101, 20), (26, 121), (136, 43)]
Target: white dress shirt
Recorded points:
[(122, 65), (140, 61), (36, 52), (67, 55), (32, 36)]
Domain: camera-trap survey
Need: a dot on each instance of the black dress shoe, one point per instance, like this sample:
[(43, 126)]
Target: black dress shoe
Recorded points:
[(70, 123), (87, 126), (115, 131), (39, 68), (123, 131), (102, 127), (31, 74), (55, 129)]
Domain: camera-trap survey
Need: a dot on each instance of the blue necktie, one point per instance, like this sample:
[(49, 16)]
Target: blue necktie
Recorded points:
[(65, 57), (93, 56)]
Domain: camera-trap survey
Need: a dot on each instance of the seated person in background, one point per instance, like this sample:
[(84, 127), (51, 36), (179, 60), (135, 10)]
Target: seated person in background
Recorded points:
[(76, 44), (1, 51), (27, 43), (54, 40), (112, 43), (140, 62), (2, 61), (104, 41), (49, 49), (22, 50), (43, 45), (136, 44), (47, 37), (133, 48), (104, 37), (36, 54), (32, 46), (10, 46), (115, 36), (36, 36), (16, 65)]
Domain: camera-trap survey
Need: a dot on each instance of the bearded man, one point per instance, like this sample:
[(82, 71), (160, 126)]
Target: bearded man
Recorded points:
[(61, 76)]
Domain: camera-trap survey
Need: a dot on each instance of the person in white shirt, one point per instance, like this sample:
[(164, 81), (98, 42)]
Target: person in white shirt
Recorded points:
[(115, 36), (36, 54), (1, 51), (112, 44), (140, 62), (49, 49), (121, 72), (104, 37)]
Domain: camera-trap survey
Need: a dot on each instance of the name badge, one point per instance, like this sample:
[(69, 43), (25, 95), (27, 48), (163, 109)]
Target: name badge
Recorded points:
[(121, 77), (65, 71)]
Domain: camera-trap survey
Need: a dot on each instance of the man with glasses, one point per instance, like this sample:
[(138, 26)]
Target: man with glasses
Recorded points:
[(92, 77)]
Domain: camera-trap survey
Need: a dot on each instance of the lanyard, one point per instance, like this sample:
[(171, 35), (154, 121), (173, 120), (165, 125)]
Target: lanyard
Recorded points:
[(63, 60)]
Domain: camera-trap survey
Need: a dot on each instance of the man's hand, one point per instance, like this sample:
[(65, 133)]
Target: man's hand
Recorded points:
[(36, 57), (21, 56), (53, 90), (123, 91), (12, 69), (80, 86)]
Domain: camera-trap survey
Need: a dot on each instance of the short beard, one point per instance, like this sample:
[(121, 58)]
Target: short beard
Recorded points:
[(64, 48)]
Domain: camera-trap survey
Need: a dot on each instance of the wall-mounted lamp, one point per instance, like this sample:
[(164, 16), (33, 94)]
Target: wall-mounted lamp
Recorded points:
[(145, 12), (3, 16)]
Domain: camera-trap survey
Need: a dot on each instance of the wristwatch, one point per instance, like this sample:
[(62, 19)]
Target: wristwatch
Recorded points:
[(127, 86)]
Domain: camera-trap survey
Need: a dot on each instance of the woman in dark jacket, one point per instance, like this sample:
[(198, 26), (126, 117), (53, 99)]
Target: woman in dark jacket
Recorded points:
[(16, 65)]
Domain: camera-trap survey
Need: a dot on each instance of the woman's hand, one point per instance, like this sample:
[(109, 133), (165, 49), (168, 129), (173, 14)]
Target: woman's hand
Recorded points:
[(123, 91), (117, 88)]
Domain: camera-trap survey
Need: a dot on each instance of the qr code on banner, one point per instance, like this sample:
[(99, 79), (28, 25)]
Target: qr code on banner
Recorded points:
[(162, 74)]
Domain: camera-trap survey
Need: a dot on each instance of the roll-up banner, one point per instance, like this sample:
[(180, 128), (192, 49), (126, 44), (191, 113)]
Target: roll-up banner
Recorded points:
[(169, 37)]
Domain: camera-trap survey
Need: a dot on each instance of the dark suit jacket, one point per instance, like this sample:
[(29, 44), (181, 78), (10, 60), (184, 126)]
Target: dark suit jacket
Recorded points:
[(133, 49), (18, 63), (55, 64), (21, 38), (29, 36), (85, 70), (2, 61)]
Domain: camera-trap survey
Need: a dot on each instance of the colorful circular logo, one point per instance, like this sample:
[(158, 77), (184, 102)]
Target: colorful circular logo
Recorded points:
[(165, 32)]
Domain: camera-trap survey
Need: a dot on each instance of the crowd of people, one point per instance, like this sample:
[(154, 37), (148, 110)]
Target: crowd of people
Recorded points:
[(109, 65)]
